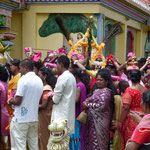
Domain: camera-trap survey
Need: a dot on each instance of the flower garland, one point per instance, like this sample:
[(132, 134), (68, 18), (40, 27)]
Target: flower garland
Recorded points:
[(31, 54), (80, 43), (88, 46), (99, 51)]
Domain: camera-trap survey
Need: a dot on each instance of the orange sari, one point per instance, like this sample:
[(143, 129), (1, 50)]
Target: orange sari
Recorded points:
[(131, 97), (11, 86), (44, 120), (13, 83)]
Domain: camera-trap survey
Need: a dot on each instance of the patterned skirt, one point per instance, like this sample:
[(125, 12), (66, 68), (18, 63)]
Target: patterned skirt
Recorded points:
[(75, 143)]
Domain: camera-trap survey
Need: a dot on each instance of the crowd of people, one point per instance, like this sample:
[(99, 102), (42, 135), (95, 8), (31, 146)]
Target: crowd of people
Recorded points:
[(114, 99)]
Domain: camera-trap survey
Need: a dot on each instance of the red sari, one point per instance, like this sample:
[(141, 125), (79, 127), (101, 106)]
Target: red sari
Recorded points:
[(131, 97)]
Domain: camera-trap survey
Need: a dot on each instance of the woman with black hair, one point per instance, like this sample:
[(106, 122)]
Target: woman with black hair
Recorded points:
[(100, 108), (14, 67), (83, 88), (140, 139), (45, 106), (12, 85), (122, 86), (83, 77), (131, 100), (37, 66), (3, 101)]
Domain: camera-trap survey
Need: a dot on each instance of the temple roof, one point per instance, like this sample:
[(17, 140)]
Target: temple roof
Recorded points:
[(63, 1), (136, 9), (143, 5), (12, 4)]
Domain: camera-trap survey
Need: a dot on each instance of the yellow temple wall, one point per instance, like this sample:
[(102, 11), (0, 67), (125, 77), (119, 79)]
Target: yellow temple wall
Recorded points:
[(17, 29)]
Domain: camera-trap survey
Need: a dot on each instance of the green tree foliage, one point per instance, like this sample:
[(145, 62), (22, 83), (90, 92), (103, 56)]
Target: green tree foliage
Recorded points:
[(74, 23)]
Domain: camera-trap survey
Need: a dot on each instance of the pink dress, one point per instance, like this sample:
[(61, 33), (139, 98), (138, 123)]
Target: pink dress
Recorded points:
[(4, 112)]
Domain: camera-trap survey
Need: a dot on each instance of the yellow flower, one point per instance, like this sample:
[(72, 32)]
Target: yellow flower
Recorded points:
[(91, 17), (70, 42), (103, 65)]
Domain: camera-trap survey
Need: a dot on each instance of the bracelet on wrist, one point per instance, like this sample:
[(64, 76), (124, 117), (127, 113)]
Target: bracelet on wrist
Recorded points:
[(76, 61)]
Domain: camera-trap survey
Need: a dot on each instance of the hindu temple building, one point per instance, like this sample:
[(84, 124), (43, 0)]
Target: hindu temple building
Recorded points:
[(133, 15)]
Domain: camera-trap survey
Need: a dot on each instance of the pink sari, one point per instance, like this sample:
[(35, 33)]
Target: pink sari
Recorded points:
[(4, 112)]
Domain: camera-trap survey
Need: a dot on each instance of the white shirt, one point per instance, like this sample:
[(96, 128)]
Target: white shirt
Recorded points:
[(30, 87), (64, 99)]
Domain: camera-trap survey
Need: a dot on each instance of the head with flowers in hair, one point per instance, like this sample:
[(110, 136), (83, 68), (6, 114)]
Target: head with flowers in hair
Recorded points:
[(132, 60), (131, 54), (132, 63)]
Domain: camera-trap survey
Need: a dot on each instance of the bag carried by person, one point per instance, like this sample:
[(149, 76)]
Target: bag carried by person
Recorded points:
[(82, 117)]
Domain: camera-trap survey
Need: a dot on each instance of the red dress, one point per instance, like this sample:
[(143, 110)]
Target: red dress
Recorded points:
[(92, 83), (131, 97)]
